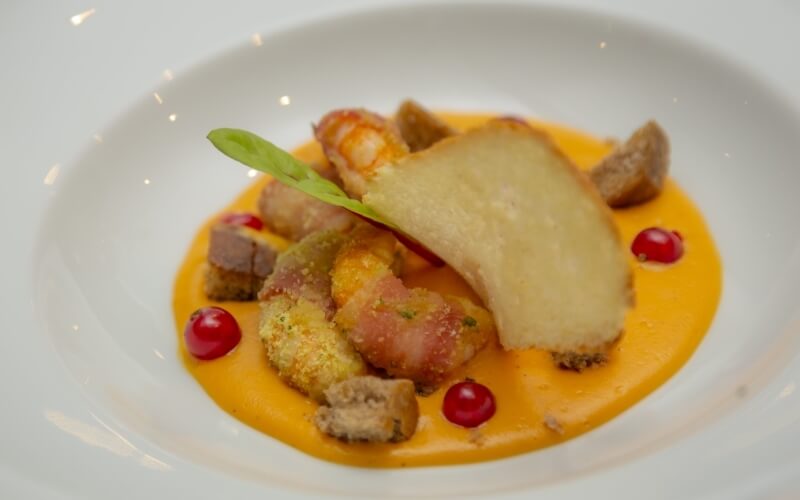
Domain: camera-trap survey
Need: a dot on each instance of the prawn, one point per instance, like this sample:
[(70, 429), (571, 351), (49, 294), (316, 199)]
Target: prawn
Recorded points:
[(301, 341), (357, 142), (410, 333)]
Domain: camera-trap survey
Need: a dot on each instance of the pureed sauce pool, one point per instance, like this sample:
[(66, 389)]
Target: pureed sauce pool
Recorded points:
[(537, 404)]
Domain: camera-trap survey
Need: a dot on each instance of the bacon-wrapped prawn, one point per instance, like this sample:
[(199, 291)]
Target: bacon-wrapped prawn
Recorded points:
[(410, 333), (294, 214), (302, 343)]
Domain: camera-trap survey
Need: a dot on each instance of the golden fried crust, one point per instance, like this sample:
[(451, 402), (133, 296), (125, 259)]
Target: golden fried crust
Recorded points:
[(301, 341), (304, 347), (369, 409), (634, 172), (419, 127), (368, 254)]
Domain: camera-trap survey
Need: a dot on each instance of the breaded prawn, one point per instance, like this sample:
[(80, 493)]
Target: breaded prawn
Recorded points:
[(301, 341)]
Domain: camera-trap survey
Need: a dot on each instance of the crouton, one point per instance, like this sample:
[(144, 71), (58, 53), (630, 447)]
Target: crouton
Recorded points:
[(578, 362), (419, 127), (369, 409), (239, 260), (634, 172)]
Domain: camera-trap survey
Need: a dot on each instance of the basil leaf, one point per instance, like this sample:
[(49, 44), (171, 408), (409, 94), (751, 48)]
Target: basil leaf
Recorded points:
[(260, 154)]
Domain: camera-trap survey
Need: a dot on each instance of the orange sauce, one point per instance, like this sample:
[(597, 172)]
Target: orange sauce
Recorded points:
[(674, 307)]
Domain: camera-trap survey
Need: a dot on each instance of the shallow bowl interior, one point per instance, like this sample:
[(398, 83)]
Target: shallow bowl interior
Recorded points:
[(126, 210)]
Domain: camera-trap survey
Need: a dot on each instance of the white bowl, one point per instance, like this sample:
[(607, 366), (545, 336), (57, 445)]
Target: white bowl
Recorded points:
[(125, 210)]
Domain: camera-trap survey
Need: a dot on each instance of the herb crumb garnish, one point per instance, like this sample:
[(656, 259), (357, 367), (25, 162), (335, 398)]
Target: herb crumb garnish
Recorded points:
[(408, 314), (469, 321)]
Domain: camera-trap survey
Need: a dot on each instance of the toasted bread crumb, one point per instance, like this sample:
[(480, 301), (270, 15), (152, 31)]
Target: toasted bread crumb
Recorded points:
[(635, 171), (578, 362), (369, 409), (476, 437), (553, 424), (419, 127)]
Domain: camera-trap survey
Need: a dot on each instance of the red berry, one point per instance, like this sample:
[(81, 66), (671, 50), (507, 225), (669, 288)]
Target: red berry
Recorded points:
[(468, 404), (242, 219), (658, 245), (211, 332)]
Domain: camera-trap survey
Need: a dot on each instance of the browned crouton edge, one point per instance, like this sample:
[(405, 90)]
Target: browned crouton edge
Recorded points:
[(369, 409)]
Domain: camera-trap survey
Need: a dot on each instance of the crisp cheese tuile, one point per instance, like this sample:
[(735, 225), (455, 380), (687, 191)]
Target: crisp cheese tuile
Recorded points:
[(523, 226)]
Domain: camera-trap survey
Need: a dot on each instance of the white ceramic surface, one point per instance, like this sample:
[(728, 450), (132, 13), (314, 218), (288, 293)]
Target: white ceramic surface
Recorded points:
[(98, 404)]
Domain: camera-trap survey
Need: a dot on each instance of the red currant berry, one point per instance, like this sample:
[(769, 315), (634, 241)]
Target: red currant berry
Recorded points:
[(658, 245), (242, 219), (468, 404), (211, 332)]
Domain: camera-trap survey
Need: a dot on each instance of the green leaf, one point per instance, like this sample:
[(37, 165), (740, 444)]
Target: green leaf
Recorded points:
[(260, 154)]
